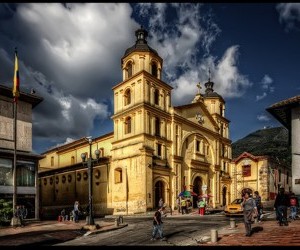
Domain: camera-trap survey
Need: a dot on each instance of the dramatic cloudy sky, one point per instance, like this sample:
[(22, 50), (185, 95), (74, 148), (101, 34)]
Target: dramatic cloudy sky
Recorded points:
[(70, 54)]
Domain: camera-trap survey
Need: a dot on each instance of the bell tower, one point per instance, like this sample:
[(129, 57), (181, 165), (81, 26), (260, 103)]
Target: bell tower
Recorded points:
[(142, 125)]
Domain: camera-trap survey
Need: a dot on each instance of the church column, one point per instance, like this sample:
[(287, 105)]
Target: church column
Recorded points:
[(168, 101), (120, 100), (152, 125)]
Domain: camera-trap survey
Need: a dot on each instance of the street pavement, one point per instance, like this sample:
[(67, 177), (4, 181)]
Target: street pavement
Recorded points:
[(265, 233)]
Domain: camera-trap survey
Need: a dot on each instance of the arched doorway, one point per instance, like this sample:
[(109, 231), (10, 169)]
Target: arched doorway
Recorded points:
[(197, 188), (224, 194), (159, 192)]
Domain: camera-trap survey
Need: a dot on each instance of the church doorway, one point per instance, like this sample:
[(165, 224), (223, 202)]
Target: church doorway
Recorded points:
[(224, 194), (159, 193), (197, 188)]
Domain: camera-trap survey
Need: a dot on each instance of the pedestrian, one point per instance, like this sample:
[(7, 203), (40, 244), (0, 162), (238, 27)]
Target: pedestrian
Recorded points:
[(76, 211), (183, 206), (249, 211), (259, 206), (23, 212), (281, 204), (201, 205), (160, 203), (19, 215), (63, 214), (294, 204), (158, 224)]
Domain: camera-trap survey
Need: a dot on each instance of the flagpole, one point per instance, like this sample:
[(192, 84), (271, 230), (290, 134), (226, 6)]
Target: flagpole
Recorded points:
[(15, 159), (16, 93)]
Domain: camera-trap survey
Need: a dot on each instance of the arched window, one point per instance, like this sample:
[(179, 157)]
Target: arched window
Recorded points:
[(128, 125), (129, 69), (154, 69), (127, 97), (156, 96), (72, 160), (157, 126)]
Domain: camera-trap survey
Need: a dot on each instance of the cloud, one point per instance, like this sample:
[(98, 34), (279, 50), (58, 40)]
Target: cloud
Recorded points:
[(263, 118), (72, 57), (69, 58), (178, 42), (289, 14), (266, 86), (260, 97)]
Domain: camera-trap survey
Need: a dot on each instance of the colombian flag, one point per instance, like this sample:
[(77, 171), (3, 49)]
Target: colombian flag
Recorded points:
[(16, 88)]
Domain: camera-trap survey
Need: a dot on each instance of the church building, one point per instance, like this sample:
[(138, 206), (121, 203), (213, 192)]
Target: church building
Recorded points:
[(156, 150)]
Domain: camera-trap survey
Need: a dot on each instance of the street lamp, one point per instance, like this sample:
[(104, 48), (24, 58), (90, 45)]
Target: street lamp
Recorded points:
[(90, 162)]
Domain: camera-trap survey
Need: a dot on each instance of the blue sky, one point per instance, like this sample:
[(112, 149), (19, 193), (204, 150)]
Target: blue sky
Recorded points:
[(70, 54)]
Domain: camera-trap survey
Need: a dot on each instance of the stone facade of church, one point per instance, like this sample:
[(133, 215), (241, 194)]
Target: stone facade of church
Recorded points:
[(156, 150)]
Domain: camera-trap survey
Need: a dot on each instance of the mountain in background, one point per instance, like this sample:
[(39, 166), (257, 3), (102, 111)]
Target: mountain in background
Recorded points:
[(269, 141)]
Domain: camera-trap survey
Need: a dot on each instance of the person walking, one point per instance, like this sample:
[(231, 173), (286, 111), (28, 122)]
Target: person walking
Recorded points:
[(258, 203), (158, 224), (183, 206), (249, 211), (281, 204), (19, 215), (160, 203), (76, 211), (294, 204)]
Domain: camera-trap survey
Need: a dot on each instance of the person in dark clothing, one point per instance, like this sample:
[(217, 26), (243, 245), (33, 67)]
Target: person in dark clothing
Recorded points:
[(282, 202), (157, 224), (258, 203)]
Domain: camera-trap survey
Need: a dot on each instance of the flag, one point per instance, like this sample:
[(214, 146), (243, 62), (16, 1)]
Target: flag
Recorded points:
[(16, 88)]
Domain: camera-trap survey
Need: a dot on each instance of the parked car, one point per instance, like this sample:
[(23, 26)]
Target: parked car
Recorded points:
[(234, 208)]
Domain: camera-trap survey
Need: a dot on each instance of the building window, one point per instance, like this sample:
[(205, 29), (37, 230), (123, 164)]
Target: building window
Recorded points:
[(158, 149), (154, 69), (156, 96), (6, 178), (129, 69), (246, 170), (157, 126), (197, 146), (52, 161), (222, 129), (127, 97), (72, 160), (128, 125), (25, 173), (118, 175)]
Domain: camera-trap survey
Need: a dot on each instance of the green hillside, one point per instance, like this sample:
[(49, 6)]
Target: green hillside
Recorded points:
[(269, 141)]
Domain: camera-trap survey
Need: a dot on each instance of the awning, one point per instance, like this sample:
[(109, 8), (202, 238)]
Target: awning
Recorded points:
[(186, 193)]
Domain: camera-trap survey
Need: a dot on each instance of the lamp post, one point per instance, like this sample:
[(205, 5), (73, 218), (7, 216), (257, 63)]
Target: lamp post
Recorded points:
[(90, 162)]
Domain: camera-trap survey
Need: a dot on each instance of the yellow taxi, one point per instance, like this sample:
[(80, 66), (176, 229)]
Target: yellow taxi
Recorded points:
[(234, 208)]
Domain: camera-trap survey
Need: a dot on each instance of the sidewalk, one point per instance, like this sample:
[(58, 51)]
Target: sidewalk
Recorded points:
[(266, 233), (50, 231)]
